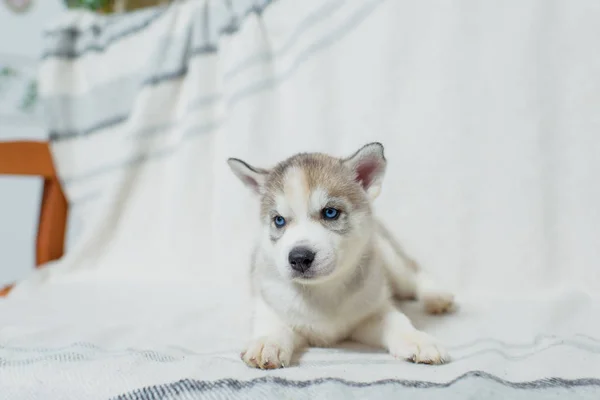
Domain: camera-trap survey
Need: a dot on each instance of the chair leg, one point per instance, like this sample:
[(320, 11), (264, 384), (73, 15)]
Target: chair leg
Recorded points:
[(52, 223)]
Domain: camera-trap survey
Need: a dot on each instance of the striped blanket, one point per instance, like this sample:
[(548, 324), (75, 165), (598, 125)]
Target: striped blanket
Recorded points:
[(155, 341), (488, 112)]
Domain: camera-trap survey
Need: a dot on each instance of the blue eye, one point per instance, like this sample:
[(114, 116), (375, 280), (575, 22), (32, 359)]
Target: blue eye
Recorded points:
[(330, 213), (279, 221)]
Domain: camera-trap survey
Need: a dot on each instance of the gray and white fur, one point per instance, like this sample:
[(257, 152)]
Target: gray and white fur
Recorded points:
[(325, 269)]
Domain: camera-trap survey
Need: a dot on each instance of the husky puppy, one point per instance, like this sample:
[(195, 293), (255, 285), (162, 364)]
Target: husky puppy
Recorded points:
[(324, 269)]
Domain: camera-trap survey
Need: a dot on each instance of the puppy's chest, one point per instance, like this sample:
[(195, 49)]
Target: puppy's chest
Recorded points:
[(324, 318)]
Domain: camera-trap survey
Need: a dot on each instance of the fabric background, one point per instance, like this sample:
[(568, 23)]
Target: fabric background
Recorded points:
[(488, 113)]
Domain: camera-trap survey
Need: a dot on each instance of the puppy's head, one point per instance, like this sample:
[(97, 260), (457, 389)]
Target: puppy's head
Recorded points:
[(315, 209)]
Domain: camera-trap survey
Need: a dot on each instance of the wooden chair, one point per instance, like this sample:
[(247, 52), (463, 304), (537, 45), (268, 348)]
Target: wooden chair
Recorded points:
[(34, 159)]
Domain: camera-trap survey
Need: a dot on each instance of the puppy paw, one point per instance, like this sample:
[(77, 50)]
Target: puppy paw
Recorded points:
[(438, 302), (265, 353), (420, 348)]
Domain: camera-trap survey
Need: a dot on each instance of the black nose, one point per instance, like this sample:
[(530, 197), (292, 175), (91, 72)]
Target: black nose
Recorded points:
[(301, 258)]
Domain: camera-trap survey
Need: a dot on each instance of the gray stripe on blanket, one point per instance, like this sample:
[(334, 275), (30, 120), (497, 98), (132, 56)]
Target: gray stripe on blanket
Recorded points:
[(78, 352), (250, 89), (71, 43), (472, 382), (170, 61)]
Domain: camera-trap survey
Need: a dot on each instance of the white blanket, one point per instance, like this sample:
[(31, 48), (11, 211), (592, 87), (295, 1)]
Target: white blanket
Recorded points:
[(488, 112), (118, 338)]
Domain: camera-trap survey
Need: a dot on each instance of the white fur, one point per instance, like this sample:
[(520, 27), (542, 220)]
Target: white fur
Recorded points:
[(350, 296), (297, 206), (318, 198), (288, 317)]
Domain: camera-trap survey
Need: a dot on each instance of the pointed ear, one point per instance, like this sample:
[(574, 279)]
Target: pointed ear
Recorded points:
[(369, 165), (254, 178)]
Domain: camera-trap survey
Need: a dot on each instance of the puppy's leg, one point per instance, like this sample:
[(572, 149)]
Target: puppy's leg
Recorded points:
[(392, 330), (407, 278), (273, 343)]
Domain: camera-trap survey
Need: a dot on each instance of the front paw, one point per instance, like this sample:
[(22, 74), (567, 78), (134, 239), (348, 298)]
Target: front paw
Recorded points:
[(266, 353), (420, 348)]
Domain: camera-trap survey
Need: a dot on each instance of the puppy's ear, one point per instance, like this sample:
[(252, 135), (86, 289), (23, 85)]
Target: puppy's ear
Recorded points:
[(254, 178), (369, 165)]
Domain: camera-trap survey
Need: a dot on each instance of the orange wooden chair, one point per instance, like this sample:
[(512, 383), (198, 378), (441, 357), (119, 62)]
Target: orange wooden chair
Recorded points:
[(34, 159)]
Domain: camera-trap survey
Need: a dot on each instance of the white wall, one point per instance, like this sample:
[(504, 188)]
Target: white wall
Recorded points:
[(20, 45)]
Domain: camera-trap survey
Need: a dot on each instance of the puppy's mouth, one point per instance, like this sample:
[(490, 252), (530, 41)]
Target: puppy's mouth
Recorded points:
[(313, 275), (304, 276)]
